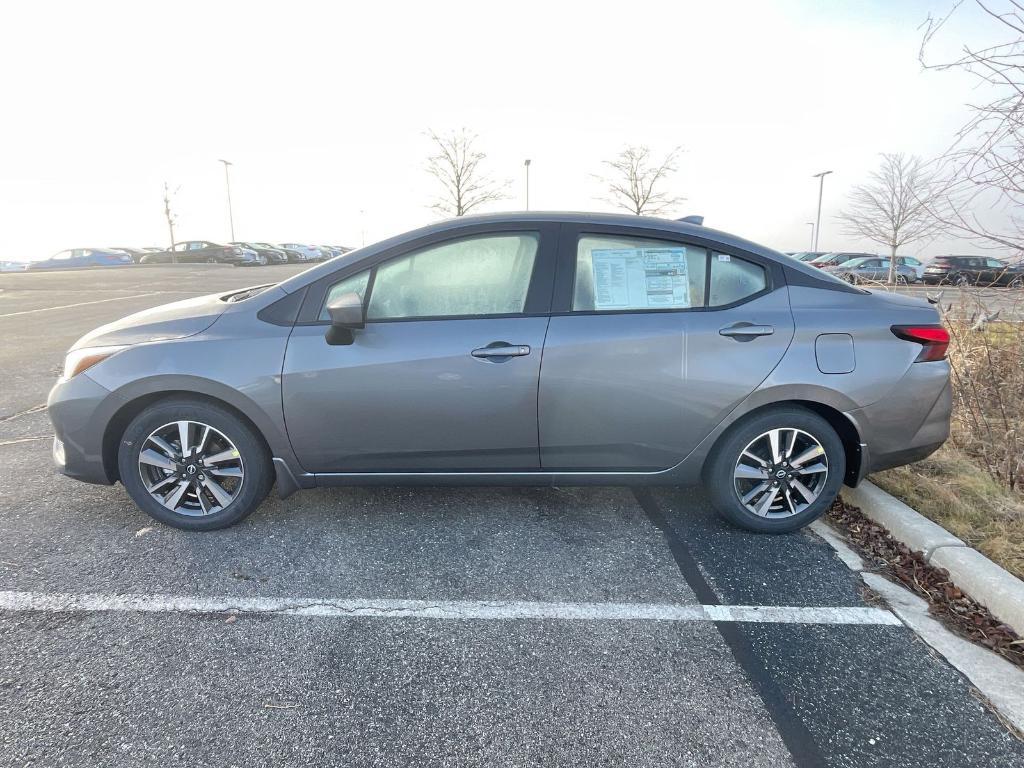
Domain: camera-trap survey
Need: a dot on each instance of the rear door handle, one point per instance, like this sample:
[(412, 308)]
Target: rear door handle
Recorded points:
[(501, 349), (748, 331)]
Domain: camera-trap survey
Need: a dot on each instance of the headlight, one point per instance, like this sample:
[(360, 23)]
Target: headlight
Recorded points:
[(78, 360)]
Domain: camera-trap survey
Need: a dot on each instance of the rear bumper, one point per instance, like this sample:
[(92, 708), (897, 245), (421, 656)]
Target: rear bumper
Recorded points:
[(910, 423), (76, 408)]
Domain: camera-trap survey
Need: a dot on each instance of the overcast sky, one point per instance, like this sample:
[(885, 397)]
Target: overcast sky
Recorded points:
[(322, 108)]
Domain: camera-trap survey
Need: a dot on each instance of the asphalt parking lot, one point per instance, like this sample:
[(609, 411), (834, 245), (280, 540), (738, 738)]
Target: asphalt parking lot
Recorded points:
[(471, 626)]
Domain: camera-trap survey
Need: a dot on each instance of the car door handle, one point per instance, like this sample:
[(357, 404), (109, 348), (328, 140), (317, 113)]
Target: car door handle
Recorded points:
[(501, 349), (743, 331)]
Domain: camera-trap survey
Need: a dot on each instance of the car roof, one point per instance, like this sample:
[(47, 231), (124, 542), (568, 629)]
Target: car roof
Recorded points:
[(655, 224)]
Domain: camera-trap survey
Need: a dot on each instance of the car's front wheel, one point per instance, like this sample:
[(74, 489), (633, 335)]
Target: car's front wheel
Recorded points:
[(194, 465), (776, 471)]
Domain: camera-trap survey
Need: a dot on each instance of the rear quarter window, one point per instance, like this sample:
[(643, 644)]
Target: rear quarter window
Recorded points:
[(734, 279)]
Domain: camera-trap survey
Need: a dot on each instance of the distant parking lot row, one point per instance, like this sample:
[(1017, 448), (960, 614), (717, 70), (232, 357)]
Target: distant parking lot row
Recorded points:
[(859, 268), (238, 253)]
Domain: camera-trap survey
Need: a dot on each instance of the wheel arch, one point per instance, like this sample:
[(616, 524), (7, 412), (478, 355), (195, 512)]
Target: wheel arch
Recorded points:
[(132, 404), (845, 428)]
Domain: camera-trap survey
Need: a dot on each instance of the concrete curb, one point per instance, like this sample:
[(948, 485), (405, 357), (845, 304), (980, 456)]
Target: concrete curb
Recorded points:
[(1000, 681), (992, 586)]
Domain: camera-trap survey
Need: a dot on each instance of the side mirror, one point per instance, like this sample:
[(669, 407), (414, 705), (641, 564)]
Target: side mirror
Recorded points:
[(346, 313)]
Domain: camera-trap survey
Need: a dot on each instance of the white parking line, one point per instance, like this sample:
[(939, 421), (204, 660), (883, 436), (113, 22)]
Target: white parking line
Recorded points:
[(441, 609), (81, 304)]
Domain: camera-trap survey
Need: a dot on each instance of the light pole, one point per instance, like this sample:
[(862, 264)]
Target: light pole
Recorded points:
[(526, 164), (821, 186), (231, 215), (811, 225)]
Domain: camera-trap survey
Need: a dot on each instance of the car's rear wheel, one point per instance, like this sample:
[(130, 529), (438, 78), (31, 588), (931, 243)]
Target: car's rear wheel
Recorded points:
[(194, 465), (961, 281), (1017, 282), (901, 280), (776, 471)]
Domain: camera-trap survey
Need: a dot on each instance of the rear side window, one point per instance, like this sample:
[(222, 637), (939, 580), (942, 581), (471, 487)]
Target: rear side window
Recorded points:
[(628, 273), (734, 279)]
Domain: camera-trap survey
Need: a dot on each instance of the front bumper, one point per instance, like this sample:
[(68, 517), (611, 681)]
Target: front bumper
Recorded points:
[(78, 409)]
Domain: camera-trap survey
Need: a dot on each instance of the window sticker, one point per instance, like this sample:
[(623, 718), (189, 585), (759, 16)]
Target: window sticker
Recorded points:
[(723, 257), (640, 278)]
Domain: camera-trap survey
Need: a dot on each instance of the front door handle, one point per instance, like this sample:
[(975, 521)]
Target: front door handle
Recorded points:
[(501, 349), (746, 331)]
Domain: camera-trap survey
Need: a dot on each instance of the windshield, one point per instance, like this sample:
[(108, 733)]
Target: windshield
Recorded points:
[(853, 263)]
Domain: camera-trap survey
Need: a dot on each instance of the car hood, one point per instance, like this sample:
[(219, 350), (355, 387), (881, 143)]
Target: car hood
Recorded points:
[(168, 321)]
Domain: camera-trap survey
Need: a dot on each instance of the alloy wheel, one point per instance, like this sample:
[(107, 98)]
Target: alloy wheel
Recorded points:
[(780, 473), (191, 468)]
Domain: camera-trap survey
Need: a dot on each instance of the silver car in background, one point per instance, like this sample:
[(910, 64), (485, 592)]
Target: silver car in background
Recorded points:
[(873, 269), (526, 349)]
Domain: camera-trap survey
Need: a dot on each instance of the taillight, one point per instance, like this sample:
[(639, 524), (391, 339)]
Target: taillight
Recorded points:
[(934, 340)]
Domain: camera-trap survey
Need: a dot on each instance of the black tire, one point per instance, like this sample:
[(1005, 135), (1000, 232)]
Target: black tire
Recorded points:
[(961, 281), (721, 463), (255, 485)]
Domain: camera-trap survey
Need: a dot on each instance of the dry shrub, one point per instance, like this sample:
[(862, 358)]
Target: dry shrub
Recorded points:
[(986, 355)]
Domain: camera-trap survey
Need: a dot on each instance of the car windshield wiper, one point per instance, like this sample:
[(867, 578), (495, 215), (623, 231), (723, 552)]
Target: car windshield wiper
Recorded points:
[(248, 293)]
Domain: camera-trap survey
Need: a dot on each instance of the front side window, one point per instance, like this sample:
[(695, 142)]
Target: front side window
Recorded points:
[(628, 273), (488, 275), (482, 275), (734, 279)]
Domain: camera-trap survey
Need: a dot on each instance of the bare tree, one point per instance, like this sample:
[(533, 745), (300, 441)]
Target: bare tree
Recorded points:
[(170, 214), (637, 181), (896, 207), (464, 185), (983, 170)]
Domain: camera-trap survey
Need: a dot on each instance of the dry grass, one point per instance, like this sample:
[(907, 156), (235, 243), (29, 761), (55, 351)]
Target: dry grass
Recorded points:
[(952, 489)]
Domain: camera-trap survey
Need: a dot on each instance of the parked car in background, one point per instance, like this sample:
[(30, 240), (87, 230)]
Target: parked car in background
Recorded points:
[(203, 252), (418, 361), (914, 264), (83, 257), (806, 255), (835, 258), (973, 270), (330, 251), (293, 256), (308, 253), (872, 269), (265, 254), (135, 253)]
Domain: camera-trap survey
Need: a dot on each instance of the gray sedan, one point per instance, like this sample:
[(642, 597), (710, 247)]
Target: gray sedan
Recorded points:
[(872, 269), (526, 349)]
